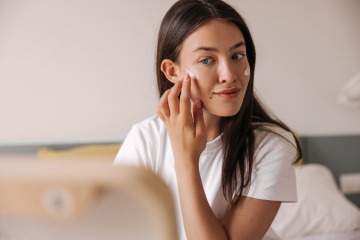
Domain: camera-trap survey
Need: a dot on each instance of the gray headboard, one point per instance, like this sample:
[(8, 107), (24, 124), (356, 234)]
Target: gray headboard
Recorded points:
[(341, 154)]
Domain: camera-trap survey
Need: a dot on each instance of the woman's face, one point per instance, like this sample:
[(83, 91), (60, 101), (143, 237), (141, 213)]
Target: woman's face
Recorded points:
[(216, 52)]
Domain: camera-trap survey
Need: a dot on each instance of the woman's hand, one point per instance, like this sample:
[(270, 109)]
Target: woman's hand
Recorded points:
[(184, 122)]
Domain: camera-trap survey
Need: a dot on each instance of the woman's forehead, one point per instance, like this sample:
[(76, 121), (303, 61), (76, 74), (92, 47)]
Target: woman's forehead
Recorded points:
[(214, 34)]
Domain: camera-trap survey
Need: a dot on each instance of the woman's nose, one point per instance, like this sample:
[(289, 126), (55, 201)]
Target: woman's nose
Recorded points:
[(227, 73)]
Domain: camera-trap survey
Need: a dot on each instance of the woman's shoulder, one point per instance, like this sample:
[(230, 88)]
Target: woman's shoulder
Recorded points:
[(271, 132), (145, 134), (273, 176), (151, 125), (270, 138)]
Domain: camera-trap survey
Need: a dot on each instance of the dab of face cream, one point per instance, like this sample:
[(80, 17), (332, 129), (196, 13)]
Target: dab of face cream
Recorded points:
[(247, 71), (192, 75)]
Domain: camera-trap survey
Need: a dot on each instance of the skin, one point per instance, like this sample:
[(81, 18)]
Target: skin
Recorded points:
[(216, 51)]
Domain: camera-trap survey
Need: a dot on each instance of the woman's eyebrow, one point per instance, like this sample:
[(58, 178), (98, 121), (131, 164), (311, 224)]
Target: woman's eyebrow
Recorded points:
[(213, 49), (208, 49), (239, 44)]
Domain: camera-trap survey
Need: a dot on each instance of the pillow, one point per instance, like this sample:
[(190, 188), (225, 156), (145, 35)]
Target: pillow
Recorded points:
[(91, 151), (321, 207)]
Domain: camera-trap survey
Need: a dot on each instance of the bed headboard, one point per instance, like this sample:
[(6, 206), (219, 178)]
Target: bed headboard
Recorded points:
[(341, 154)]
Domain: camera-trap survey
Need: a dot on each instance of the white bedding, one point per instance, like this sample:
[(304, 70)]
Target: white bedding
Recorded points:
[(351, 235), (322, 211)]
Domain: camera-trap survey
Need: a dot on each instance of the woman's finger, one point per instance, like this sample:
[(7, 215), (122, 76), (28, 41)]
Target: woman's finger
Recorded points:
[(199, 122), (185, 104), (161, 115), (163, 107), (173, 98)]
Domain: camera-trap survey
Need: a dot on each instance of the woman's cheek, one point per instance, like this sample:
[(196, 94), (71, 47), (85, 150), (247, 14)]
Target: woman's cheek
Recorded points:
[(195, 90)]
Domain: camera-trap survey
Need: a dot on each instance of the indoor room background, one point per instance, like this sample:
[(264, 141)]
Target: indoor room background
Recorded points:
[(82, 72)]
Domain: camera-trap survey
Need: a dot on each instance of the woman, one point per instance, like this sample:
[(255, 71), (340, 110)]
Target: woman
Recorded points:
[(228, 162)]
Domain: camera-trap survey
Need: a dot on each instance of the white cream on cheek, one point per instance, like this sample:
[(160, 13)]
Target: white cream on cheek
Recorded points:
[(194, 85), (192, 74)]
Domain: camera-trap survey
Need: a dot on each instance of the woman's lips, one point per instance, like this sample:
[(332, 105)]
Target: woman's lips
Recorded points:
[(228, 93)]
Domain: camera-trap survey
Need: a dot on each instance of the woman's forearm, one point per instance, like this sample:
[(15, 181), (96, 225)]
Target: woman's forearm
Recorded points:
[(199, 220)]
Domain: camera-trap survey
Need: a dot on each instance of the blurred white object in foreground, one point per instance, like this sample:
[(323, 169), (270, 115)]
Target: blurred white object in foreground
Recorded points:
[(83, 200), (350, 94)]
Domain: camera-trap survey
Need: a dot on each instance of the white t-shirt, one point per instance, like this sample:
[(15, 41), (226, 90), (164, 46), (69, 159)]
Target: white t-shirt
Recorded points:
[(273, 175)]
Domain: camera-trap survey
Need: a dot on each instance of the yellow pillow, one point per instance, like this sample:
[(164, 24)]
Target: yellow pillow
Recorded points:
[(94, 151)]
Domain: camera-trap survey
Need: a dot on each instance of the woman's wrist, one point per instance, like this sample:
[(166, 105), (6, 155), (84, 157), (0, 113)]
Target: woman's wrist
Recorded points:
[(186, 165)]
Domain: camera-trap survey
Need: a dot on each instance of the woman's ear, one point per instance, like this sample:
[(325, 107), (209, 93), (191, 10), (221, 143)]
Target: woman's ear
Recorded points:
[(170, 70)]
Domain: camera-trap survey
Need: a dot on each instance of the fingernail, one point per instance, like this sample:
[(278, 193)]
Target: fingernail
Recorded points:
[(187, 77), (198, 103)]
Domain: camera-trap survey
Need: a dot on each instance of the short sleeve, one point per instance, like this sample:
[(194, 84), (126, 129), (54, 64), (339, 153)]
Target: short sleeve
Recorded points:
[(273, 173), (133, 149)]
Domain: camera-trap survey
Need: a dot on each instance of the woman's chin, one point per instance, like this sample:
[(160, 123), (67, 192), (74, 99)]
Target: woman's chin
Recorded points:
[(224, 112)]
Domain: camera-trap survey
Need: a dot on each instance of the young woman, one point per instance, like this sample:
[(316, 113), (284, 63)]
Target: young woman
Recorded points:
[(228, 162)]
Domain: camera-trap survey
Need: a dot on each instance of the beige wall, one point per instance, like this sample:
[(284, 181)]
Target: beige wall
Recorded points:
[(82, 71), (307, 51)]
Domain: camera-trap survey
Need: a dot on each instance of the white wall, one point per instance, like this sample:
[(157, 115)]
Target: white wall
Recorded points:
[(307, 51), (82, 71), (76, 71)]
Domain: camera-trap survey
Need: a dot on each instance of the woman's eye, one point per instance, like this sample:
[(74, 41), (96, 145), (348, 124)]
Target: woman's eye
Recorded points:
[(206, 61), (237, 56)]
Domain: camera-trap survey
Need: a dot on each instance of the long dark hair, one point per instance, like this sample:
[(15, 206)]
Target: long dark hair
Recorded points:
[(182, 19)]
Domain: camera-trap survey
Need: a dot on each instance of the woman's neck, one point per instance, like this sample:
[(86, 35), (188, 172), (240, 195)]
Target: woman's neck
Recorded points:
[(212, 124)]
